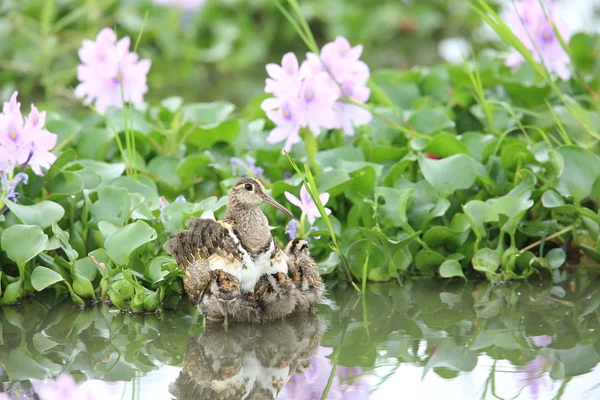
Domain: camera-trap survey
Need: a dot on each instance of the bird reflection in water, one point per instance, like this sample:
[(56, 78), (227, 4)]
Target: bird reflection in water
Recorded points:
[(248, 361)]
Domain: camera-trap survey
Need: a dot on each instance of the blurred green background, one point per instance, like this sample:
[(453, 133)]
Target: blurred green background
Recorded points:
[(219, 50)]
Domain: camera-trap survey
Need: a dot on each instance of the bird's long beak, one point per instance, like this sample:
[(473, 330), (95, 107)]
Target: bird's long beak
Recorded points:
[(269, 200)]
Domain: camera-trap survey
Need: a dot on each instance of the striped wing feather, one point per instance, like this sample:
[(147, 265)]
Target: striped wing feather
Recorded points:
[(205, 245)]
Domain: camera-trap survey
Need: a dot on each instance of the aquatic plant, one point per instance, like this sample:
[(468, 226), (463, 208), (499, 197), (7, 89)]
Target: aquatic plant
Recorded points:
[(471, 171), (110, 74)]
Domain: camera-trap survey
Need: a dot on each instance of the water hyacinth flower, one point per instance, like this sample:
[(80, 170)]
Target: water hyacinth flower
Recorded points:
[(110, 73), (66, 388), (347, 383), (318, 94), (307, 205), (23, 142), (533, 26), (248, 167), (185, 4)]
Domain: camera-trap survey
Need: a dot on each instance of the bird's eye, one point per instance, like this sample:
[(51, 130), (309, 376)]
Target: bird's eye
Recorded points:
[(248, 187), (304, 247)]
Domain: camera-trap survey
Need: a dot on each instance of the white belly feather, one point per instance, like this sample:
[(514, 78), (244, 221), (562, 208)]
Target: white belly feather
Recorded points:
[(254, 268)]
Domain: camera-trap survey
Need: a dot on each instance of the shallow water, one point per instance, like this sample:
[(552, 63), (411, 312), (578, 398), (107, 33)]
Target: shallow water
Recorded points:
[(417, 341)]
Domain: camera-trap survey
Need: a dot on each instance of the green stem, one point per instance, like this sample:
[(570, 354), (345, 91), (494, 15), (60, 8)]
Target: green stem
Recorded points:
[(312, 148), (336, 354)]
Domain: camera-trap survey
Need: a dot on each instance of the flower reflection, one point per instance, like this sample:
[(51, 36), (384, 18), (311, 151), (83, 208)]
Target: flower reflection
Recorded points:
[(64, 387), (310, 382), (535, 375)]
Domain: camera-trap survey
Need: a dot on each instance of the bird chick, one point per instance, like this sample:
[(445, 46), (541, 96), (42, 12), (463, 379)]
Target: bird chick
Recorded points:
[(309, 287)]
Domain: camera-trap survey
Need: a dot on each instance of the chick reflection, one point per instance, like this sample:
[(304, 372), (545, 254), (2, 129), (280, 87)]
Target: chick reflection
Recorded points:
[(247, 361)]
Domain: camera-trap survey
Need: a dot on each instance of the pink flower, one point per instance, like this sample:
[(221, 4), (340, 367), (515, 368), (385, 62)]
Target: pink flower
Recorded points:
[(317, 93), (287, 116), (307, 205), (110, 73), (24, 142), (284, 79), (533, 27), (317, 97), (186, 4)]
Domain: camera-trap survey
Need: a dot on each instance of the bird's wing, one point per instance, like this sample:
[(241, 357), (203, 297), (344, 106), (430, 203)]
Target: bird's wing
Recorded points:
[(206, 245)]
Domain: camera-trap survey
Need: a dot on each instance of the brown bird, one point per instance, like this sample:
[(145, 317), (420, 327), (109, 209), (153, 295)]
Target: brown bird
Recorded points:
[(223, 260), (309, 287)]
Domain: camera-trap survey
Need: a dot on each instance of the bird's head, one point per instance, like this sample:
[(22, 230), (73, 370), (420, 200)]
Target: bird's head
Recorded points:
[(251, 192)]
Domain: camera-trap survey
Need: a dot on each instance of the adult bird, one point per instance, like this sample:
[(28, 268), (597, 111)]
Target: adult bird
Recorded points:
[(223, 260)]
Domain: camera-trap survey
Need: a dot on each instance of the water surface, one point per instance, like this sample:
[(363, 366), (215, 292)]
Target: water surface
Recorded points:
[(421, 340)]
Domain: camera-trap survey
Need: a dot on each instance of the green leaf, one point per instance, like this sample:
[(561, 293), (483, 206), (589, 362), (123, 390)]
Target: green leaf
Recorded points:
[(136, 121), (226, 132), (446, 145), (42, 214), (403, 203), (207, 115), (427, 261), (122, 243), (63, 239), (43, 277), (20, 366), (13, 293), (556, 258), (66, 183), (430, 121), (83, 287), (486, 260), (164, 169), (23, 242), (393, 88), (444, 174), (478, 214), (154, 269), (582, 168), (105, 171), (451, 268), (113, 205)]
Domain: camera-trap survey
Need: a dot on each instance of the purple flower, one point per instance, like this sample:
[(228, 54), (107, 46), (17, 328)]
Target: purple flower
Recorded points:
[(291, 230), (307, 205), (541, 340), (249, 166), (287, 116), (284, 79), (535, 376), (317, 98), (24, 142), (533, 27), (185, 4), (317, 94), (9, 186), (311, 383), (110, 73), (65, 388)]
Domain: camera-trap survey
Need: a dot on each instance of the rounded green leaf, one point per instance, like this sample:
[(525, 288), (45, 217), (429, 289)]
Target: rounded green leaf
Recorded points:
[(451, 268), (42, 214), (23, 242), (582, 168), (123, 242), (430, 121), (446, 145), (13, 293), (43, 277), (551, 199), (83, 287), (486, 260), (449, 174), (556, 258), (478, 214)]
